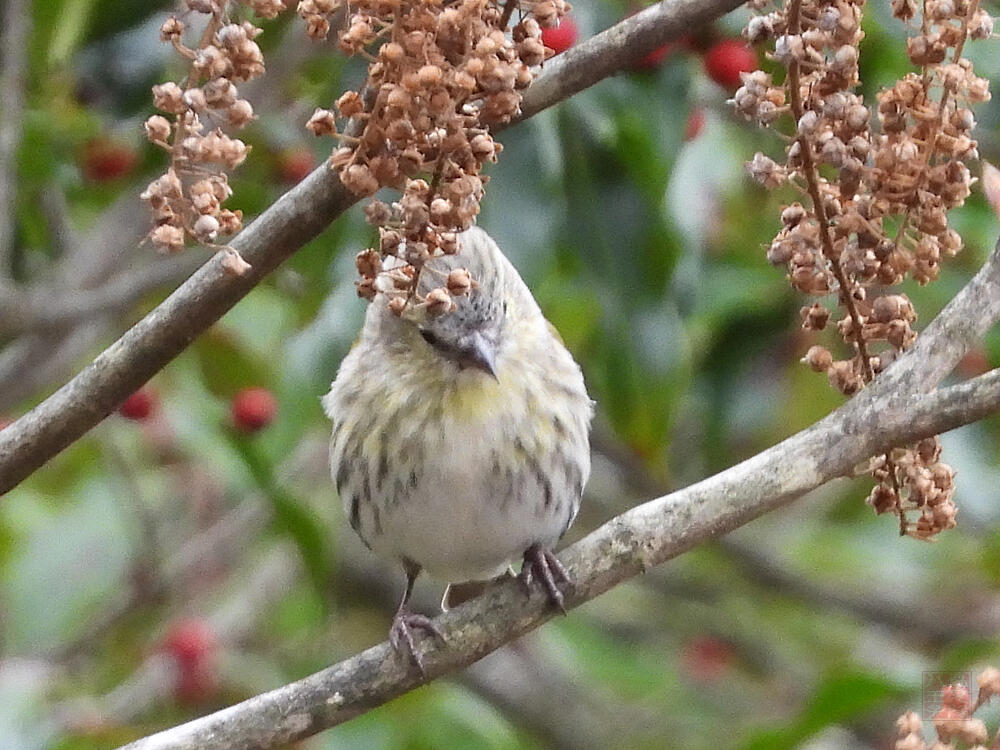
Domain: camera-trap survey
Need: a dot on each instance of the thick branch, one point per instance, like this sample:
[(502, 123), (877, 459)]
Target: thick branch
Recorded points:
[(928, 620), (622, 548), (297, 217)]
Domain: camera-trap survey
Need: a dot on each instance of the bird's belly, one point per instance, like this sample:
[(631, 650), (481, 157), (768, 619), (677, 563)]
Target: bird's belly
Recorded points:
[(477, 507)]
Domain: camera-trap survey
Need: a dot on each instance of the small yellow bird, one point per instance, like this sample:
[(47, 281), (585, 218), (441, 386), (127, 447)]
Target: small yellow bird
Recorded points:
[(461, 441)]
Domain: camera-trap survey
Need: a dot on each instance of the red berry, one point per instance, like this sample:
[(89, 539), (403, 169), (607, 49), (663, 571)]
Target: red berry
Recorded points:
[(706, 658), (695, 124), (726, 59), (294, 164), (253, 409), (105, 159), (562, 37), (140, 405), (190, 640), (194, 647)]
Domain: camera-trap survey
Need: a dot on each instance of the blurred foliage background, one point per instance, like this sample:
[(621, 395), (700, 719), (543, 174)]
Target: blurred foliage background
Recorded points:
[(171, 564)]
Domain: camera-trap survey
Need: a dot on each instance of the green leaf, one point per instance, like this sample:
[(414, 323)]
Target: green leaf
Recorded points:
[(225, 366), (70, 28), (840, 698), (67, 564), (291, 516)]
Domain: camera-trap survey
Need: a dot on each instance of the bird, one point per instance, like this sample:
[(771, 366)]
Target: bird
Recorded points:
[(460, 441)]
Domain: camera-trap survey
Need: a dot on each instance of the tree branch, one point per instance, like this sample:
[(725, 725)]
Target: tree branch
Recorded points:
[(911, 612), (294, 219), (624, 547), (231, 622), (33, 360), (615, 49), (960, 325), (89, 259), (48, 307)]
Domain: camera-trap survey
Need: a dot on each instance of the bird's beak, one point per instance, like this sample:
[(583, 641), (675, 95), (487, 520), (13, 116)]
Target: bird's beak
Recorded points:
[(481, 354)]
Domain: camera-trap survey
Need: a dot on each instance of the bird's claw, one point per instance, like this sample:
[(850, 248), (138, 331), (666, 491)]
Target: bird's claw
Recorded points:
[(542, 564), (401, 635)]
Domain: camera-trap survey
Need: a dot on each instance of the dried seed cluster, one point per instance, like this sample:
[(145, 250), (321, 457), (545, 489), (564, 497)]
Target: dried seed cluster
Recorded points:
[(954, 721), (441, 75), (874, 207), (929, 483), (187, 200)]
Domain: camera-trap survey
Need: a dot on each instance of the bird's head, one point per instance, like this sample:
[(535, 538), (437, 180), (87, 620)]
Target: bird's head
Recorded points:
[(470, 334)]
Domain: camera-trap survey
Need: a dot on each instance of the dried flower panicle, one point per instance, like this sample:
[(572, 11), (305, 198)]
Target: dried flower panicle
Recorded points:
[(914, 479), (874, 206), (954, 721), (440, 76), (186, 202)]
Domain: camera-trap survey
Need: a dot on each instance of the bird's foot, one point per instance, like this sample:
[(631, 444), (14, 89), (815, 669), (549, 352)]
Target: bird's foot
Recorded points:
[(401, 635), (542, 564)]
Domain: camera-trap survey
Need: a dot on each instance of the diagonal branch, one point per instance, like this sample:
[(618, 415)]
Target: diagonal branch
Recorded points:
[(294, 219), (615, 49), (622, 548), (960, 325)]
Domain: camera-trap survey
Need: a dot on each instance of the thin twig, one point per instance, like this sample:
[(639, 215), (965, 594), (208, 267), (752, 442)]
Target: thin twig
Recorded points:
[(907, 612), (49, 307), (811, 174), (508, 11), (221, 541), (55, 209), (33, 360)]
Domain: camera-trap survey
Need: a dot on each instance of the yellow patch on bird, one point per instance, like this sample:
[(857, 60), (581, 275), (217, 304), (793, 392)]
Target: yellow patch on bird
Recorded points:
[(473, 396)]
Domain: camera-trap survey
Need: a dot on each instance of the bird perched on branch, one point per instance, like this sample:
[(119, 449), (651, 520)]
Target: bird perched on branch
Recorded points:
[(460, 435)]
